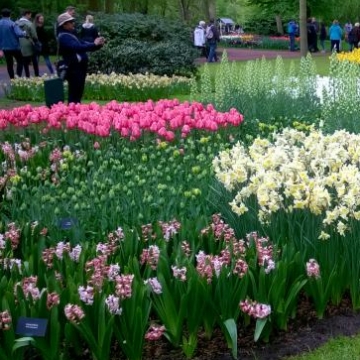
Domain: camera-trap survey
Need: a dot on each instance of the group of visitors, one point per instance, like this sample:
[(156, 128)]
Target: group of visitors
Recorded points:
[(315, 31), (206, 37), (24, 41)]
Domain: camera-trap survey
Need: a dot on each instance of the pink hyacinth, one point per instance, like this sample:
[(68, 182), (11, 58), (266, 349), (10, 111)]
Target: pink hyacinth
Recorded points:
[(29, 288), (179, 273), (313, 269), (150, 256), (155, 332), (74, 313), (13, 235), (5, 320), (113, 304), (241, 267), (86, 294), (53, 299), (123, 286), (155, 285), (255, 309)]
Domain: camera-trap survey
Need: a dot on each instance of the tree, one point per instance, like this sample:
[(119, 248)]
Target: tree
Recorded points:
[(303, 28)]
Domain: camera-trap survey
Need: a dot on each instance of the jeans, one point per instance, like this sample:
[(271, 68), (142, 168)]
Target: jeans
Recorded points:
[(48, 63), (9, 58), (292, 42), (212, 51)]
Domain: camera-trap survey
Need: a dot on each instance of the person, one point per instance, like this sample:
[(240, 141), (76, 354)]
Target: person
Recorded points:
[(212, 37), (335, 34), (311, 35), (199, 38), (27, 43), (322, 36), (292, 34), (73, 52), (10, 44), (317, 30), (71, 10), (354, 37), (44, 40), (89, 31), (347, 29)]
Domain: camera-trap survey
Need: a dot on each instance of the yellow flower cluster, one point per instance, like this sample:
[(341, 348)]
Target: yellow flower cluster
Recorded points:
[(136, 81), (315, 172), (353, 56)]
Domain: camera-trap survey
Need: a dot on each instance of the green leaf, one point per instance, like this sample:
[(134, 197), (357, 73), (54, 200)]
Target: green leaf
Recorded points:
[(24, 341), (260, 324), (231, 336)]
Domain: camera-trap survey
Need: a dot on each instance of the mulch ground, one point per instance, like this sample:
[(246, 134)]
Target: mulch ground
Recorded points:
[(305, 333)]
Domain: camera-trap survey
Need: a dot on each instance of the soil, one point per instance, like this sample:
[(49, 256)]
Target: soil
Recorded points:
[(304, 334)]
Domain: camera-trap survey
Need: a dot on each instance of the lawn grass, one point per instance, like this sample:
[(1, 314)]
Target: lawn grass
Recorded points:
[(336, 349), (322, 62)]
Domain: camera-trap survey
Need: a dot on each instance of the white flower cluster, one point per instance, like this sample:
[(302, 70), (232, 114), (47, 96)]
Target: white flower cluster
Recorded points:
[(315, 172), (136, 81)]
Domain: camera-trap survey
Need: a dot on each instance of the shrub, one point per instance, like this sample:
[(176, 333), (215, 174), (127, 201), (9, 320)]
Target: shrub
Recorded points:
[(137, 44)]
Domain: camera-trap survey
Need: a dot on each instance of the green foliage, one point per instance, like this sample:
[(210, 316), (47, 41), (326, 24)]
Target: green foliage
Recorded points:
[(341, 103), (137, 44), (263, 90)]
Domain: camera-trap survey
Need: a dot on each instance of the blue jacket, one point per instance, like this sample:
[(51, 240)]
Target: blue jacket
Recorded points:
[(10, 34), (335, 32), (72, 49)]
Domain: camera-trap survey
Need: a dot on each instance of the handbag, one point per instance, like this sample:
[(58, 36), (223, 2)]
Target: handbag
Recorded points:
[(37, 45)]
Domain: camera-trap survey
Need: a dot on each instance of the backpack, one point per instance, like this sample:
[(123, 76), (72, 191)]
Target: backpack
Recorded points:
[(209, 32)]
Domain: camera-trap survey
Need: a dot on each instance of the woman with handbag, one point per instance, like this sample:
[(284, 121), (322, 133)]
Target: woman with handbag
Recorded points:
[(74, 55), (44, 41)]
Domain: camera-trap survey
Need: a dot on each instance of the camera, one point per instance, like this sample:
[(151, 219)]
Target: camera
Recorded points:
[(61, 70)]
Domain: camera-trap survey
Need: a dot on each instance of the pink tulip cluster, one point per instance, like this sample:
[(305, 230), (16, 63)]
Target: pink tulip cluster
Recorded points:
[(164, 118), (255, 309)]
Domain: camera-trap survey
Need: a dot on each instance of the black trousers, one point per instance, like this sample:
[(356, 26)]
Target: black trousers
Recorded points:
[(27, 60), (10, 55), (75, 77)]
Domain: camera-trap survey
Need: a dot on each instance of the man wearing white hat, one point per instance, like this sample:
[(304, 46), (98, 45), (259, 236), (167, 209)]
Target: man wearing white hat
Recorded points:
[(73, 51)]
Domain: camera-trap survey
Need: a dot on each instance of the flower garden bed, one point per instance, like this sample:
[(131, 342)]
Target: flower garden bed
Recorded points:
[(126, 223)]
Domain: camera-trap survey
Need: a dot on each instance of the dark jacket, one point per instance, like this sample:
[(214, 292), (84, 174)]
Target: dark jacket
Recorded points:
[(88, 32), (72, 49), (43, 37)]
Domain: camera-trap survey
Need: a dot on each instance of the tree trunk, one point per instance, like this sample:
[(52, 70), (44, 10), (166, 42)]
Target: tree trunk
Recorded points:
[(279, 25), (303, 29), (209, 8), (93, 5), (109, 6)]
